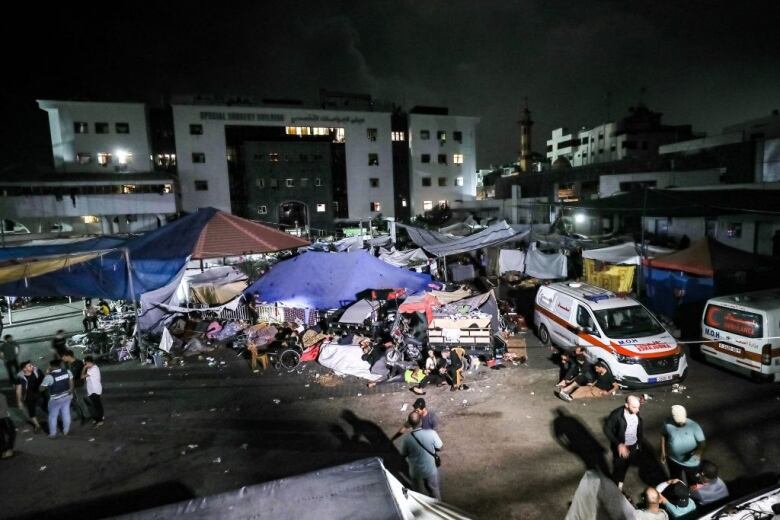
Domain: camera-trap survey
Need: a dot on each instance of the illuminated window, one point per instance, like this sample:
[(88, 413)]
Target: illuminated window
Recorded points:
[(201, 185), (83, 158), (196, 129), (426, 181), (262, 210), (425, 158), (427, 205), (442, 181), (457, 136), (374, 182), (457, 158), (273, 157), (104, 159), (101, 128), (81, 127), (339, 137), (198, 157), (458, 181), (376, 206), (90, 219), (320, 208), (122, 128), (128, 188), (371, 133), (399, 136), (373, 159), (403, 203), (442, 204), (318, 182), (290, 183), (441, 135), (442, 158), (167, 188), (124, 158)]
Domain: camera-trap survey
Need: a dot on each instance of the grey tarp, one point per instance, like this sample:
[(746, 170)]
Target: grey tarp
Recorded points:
[(440, 245), (358, 490)]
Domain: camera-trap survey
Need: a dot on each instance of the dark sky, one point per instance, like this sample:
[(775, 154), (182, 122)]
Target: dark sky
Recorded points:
[(707, 63)]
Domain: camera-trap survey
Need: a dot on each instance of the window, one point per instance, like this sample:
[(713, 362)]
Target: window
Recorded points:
[(196, 129), (304, 182), (425, 158), (128, 188), (425, 134), (320, 208), (458, 181), (398, 136), (457, 158), (104, 159), (262, 210), (585, 321), (442, 204), (371, 133), (274, 183), (290, 183), (442, 181), (426, 181), (458, 136), (734, 230), (403, 203), (376, 206), (201, 185), (124, 157), (427, 205), (81, 127), (373, 159), (260, 182), (83, 158), (441, 135), (122, 128), (198, 157), (101, 128), (318, 182), (374, 182), (258, 157), (744, 323), (273, 157), (442, 158)]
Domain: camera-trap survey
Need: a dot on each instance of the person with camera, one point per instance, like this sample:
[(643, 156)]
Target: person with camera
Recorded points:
[(420, 448)]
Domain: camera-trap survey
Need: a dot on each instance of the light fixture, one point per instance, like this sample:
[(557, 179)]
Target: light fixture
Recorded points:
[(579, 218)]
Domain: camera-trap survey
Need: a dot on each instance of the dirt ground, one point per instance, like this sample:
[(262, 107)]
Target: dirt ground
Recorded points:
[(512, 450)]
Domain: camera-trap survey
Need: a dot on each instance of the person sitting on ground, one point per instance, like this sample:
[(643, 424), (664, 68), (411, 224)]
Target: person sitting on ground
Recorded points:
[(603, 385), (676, 498), (711, 487), (430, 421), (103, 307), (651, 500), (580, 374), (430, 361), (437, 376)]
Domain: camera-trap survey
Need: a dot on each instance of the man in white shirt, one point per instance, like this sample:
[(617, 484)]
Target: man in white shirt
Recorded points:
[(91, 373)]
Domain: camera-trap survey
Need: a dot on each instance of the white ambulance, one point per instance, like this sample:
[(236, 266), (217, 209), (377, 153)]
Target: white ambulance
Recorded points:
[(615, 329), (740, 332)]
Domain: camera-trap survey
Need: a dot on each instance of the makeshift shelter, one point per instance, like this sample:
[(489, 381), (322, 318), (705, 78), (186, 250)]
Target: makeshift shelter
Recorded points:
[(614, 267), (533, 263), (358, 490), (216, 286), (405, 258), (701, 271), (331, 280), (441, 245)]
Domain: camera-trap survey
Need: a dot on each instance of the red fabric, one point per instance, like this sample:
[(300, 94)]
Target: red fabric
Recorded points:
[(311, 353), (424, 304), (705, 257)]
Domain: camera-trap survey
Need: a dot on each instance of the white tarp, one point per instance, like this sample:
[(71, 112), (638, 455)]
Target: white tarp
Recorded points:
[(357, 243), (359, 312), (464, 228), (346, 359), (598, 498), (166, 342), (404, 258), (626, 253), (535, 263), (440, 245)]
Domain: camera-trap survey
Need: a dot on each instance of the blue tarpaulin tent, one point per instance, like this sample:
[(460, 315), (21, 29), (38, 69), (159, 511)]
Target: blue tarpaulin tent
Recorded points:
[(330, 280)]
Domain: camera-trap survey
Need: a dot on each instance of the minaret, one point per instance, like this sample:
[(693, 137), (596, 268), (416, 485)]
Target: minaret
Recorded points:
[(524, 158)]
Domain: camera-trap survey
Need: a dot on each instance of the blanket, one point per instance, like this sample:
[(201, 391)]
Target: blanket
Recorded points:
[(346, 359)]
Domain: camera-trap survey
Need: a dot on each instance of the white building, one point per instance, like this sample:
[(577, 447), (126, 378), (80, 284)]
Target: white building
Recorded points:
[(443, 162)]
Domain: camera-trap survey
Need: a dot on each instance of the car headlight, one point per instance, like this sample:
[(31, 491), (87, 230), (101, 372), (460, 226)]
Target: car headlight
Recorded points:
[(628, 360)]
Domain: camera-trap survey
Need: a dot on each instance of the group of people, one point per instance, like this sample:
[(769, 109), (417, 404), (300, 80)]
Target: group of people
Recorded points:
[(420, 444), (67, 382), (442, 371), (581, 379), (694, 481), (91, 313)]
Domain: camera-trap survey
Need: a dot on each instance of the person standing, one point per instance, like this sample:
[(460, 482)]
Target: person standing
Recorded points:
[(10, 354), (7, 430), (682, 444), (59, 344), (28, 392), (76, 367), (429, 419), (90, 320), (91, 373), (623, 428), (419, 447), (59, 383)]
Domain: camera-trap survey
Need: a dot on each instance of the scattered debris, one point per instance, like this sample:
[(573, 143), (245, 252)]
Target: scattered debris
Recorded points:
[(43, 468), (192, 446), (244, 446), (218, 460), (91, 439), (277, 401), (404, 407), (359, 394)]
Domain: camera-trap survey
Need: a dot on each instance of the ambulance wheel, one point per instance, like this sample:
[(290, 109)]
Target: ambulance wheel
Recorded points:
[(544, 335)]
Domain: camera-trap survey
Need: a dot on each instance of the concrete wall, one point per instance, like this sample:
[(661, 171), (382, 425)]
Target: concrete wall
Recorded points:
[(47, 206), (755, 235), (610, 184)]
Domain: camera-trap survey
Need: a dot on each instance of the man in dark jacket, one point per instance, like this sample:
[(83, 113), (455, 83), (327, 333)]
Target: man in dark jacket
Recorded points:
[(623, 428)]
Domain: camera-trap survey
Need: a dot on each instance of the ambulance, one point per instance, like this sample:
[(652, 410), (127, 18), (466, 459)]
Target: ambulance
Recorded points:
[(614, 329), (740, 332)]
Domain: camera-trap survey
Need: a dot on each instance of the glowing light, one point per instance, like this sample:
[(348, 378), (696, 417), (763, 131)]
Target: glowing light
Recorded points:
[(579, 218)]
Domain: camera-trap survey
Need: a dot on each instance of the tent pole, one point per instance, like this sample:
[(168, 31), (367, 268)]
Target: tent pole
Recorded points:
[(445, 268), (642, 249), (132, 297)]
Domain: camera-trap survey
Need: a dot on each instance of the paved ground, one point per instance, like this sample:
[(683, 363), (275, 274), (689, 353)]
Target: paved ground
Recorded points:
[(194, 430)]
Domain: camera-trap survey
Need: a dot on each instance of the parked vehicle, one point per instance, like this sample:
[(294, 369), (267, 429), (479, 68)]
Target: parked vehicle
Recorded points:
[(740, 332), (615, 329)]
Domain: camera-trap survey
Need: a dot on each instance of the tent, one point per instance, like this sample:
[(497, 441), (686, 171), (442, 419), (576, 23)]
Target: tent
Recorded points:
[(441, 245), (404, 258), (622, 260), (315, 280), (358, 490), (155, 258), (217, 285), (627, 253), (533, 263)]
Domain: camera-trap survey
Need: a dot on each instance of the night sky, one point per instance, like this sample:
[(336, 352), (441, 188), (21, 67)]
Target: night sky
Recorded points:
[(709, 64)]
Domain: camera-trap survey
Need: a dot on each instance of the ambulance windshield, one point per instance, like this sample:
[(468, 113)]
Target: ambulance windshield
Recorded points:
[(628, 322)]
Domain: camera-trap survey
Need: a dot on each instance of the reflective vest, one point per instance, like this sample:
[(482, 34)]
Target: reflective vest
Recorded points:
[(61, 382)]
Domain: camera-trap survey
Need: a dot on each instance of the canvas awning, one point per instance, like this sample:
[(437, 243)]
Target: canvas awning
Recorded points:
[(627, 253), (15, 270), (441, 245), (707, 256), (404, 258)]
